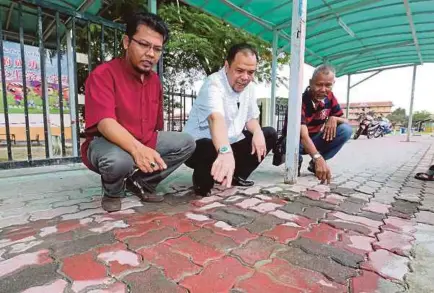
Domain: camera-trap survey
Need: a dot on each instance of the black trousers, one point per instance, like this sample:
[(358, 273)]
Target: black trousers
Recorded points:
[(245, 163)]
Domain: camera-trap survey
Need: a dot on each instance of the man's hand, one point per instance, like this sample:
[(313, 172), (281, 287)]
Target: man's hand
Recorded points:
[(322, 171), (148, 160), (258, 145), (329, 128), (223, 169)]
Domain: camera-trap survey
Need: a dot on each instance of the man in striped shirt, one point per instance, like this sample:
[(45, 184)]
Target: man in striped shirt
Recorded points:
[(323, 129)]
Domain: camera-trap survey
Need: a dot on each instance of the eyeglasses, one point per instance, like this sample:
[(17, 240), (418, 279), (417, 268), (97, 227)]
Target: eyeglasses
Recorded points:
[(148, 46)]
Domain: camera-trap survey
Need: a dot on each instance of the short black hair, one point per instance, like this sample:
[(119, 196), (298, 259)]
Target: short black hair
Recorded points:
[(241, 47), (151, 20)]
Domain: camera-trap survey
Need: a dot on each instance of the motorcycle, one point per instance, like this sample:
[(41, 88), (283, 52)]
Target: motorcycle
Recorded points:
[(384, 128), (367, 126)]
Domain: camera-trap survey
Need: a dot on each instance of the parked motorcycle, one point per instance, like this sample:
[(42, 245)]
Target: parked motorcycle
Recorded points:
[(385, 127), (367, 126)]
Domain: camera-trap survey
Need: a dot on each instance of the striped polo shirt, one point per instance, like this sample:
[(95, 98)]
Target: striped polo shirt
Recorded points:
[(315, 114)]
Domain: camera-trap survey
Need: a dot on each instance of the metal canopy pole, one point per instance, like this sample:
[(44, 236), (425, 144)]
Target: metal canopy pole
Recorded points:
[(410, 115), (298, 39), (272, 119), (152, 6), (347, 110), (72, 69)]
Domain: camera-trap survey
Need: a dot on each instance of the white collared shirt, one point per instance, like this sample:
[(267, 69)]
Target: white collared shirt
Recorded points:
[(217, 96)]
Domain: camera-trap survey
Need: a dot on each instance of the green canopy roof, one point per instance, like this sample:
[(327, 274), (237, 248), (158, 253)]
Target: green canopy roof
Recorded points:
[(352, 35)]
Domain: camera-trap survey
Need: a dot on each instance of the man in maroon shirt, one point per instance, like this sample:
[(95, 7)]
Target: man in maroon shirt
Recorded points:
[(124, 118)]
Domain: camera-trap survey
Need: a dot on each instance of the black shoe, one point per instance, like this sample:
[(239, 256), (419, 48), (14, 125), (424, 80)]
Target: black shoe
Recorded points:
[(311, 167), (300, 162), (204, 192), (238, 181)]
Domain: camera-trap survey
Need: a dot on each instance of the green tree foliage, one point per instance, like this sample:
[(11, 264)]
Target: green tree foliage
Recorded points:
[(398, 117), (197, 47), (424, 115)]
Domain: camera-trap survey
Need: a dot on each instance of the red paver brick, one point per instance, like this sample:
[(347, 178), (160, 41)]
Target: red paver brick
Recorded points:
[(260, 283), (119, 259), (266, 207), (217, 276), (152, 238), (394, 242), (322, 233), (198, 219), (67, 226), (145, 218), (56, 286), (249, 203), (256, 250), (83, 267), (151, 281), (180, 223), (376, 207), (219, 242), (355, 242), (399, 225), (175, 265), (228, 192), (199, 253), (285, 232), (299, 220), (387, 264), (313, 194), (334, 198), (23, 260), (356, 223), (20, 234), (136, 230), (206, 200), (370, 282), (239, 235), (301, 278), (210, 206)]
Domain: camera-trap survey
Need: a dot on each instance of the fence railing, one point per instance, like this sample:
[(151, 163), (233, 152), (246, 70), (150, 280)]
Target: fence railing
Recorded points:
[(281, 111), (42, 78), (177, 106)]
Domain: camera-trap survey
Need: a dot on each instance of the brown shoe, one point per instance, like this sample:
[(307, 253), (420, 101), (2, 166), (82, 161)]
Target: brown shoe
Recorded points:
[(111, 204)]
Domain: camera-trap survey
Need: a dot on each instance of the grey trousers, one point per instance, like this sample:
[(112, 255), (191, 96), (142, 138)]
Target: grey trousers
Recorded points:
[(114, 164)]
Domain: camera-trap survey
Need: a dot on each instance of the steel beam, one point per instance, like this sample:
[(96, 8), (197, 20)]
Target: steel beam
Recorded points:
[(347, 110), (410, 115), (366, 78), (298, 39), (413, 30), (8, 20), (272, 119)]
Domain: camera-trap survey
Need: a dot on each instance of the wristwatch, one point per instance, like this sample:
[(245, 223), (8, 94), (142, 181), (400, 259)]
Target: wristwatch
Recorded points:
[(316, 156), (225, 149)]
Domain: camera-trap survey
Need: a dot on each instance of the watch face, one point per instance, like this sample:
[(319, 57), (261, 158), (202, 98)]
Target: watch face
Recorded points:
[(224, 149)]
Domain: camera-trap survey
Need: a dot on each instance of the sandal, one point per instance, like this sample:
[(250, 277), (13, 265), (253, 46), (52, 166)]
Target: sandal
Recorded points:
[(427, 176)]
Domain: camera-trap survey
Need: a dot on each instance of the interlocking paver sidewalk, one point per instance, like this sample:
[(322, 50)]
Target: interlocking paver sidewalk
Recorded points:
[(372, 230)]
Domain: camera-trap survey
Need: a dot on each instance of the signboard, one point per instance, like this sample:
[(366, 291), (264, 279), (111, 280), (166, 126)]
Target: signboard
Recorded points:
[(14, 80)]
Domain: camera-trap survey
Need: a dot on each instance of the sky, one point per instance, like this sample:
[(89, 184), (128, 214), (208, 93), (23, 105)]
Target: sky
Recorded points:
[(390, 85)]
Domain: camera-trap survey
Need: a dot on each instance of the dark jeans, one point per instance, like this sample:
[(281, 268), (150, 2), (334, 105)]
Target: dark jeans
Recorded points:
[(114, 164), (245, 163), (328, 149)]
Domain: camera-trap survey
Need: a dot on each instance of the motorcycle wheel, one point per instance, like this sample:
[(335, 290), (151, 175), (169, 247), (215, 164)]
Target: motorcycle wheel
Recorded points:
[(357, 134), (378, 133)]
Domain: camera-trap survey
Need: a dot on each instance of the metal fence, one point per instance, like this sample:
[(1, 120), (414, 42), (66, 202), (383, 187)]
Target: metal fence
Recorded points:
[(41, 79), (281, 111), (177, 105)]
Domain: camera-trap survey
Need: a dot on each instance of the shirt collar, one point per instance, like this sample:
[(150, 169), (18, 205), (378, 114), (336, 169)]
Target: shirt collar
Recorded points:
[(224, 77)]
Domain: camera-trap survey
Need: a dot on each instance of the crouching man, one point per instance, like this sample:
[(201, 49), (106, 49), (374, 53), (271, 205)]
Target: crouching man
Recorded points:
[(124, 116), (230, 143), (323, 129)]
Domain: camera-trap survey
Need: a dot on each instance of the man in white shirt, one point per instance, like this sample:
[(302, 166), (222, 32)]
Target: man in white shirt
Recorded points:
[(230, 143)]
